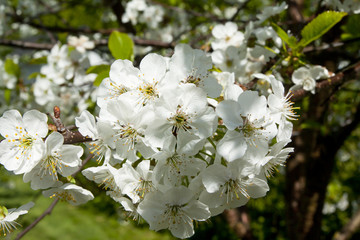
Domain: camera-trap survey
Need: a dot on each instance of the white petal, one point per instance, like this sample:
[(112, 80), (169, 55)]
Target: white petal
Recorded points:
[(153, 66), (232, 146), (53, 142), (35, 122), (86, 124)]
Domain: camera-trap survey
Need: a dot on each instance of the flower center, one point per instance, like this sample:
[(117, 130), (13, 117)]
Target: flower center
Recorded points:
[(64, 196), (179, 121), (116, 90), (252, 129), (148, 92), (144, 187), (229, 63), (234, 189), (23, 141), (108, 181), (193, 79), (174, 213), (50, 165), (128, 134), (98, 148)]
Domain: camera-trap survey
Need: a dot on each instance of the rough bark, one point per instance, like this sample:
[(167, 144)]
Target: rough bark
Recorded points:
[(309, 171)]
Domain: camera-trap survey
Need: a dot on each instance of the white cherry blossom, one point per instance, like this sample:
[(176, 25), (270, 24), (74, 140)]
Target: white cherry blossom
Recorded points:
[(71, 193), (226, 35), (306, 77), (8, 217), (175, 209), (57, 159), (23, 146)]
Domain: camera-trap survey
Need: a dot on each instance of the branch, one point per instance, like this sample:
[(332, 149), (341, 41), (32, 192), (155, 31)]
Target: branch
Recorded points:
[(70, 137), (350, 228), (104, 42), (84, 162), (33, 224), (26, 45), (295, 10), (326, 46), (338, 79)]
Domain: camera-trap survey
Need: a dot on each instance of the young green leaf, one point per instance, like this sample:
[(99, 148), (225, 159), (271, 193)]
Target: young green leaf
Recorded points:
[(100, 77), (12, 68), (98, 69), (7, 96), (289, 40), (121, 45), (35, 74), (319, 26)]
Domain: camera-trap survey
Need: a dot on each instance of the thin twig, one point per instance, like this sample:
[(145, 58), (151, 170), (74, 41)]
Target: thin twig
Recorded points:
[(84, 162), (26, 45), (33, 224), (349, 229), (103, 42), (342, 76), (70, 137)]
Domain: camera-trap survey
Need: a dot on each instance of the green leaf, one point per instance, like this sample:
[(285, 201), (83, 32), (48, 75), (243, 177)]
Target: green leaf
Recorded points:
[(101, 76), (12, 68), (40, 60), (98, 69), (7, 96), (351, 28), (121, 45), (35, 74), (291, 41), (319, 26)]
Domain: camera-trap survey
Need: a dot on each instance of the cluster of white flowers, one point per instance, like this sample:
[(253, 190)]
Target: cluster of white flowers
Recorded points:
[(138, 11), (349, 6), (176, 144), (232, 53), (63, 80), (171, 152), (23, 151), (306, 77)]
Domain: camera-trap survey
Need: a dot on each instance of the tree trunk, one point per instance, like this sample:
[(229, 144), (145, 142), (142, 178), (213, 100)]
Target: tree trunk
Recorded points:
[(309, 170)]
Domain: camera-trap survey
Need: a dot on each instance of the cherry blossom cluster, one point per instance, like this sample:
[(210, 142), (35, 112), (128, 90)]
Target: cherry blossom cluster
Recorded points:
[(173, 152), (138, 11), (63, 79), (246, 53), (175, 144), (349, 6), (42, 162)]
